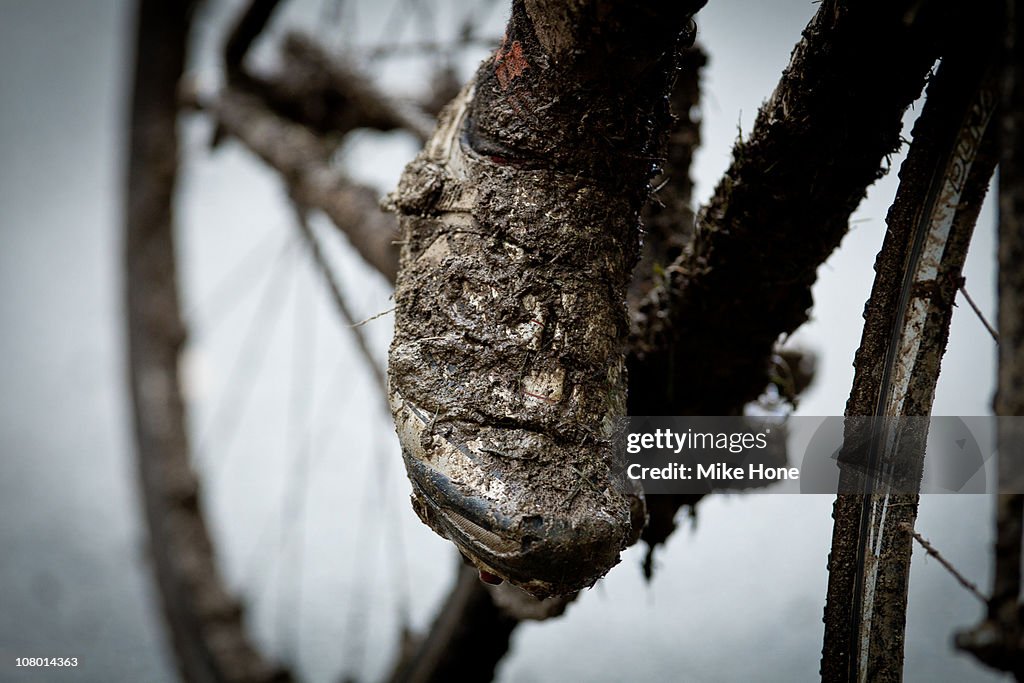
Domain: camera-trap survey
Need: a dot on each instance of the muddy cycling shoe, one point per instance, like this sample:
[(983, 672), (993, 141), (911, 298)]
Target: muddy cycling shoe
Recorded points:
[(506, 373), (547, 529)]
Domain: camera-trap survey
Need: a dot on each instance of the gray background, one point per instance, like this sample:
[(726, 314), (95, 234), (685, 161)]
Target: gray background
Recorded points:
[(738, 595)]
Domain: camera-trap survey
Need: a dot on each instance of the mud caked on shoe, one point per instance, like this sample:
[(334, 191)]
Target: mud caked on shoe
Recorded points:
[(507, 369)]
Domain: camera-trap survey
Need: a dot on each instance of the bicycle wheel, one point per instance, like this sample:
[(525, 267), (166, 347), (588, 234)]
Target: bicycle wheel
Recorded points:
[(942, 185), (244, 389)]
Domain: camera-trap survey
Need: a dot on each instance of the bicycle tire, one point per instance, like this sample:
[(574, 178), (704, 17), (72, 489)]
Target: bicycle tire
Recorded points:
[(942, 184)]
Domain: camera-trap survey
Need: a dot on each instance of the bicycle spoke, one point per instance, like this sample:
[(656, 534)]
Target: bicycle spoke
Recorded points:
[(228, 414), (227, 295), (292, 517), (981, 316)]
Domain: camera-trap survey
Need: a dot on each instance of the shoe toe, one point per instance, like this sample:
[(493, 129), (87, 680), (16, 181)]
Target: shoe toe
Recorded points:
[(538, 538)]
